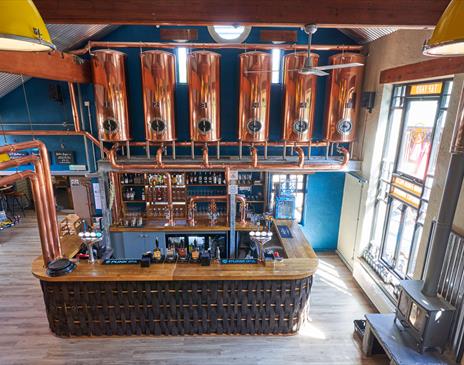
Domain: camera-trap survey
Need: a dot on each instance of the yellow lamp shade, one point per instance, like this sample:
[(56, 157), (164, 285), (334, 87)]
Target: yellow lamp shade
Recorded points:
[(448, 37), (22, 27)]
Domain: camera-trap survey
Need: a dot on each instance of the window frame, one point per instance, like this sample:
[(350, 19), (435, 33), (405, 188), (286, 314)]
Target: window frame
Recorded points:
[(303, 190), (385, 183), (219, 39)]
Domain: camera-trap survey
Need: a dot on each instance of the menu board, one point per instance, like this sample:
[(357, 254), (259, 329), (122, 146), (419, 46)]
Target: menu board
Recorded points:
[(64, 157)]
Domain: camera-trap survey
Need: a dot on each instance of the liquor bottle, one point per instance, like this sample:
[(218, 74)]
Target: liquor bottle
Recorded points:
[(174, 180), (143, 194), (182, 251), (195, 251), (157, 251), (170, 253), (210, 178), (126, 179)]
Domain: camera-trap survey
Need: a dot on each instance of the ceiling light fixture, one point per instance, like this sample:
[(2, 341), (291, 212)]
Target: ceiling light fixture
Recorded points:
[(22, 28), (448, 37)]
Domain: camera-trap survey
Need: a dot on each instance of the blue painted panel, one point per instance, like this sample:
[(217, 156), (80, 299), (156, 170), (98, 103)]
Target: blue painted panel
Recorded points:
[(322, 209)]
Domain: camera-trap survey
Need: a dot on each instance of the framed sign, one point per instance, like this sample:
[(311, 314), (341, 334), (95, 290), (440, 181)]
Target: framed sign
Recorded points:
[(64, 157)]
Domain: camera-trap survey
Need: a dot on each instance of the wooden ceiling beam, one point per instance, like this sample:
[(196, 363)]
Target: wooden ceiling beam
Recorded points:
[(53, 66), (437, 67), (327, 13)]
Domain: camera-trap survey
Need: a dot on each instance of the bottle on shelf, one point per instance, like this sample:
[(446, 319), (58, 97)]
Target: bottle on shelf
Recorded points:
[(157, 251)]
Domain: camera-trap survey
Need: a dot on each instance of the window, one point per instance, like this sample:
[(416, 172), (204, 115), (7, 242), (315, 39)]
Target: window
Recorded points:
[(276, 56), (298, 183), (182, 64), (417, 115), (229, 33)]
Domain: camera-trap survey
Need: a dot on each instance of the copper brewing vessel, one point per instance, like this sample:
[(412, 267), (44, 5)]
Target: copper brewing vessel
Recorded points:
[(344, 98), (158, 83), (299, 98), (254, 99), (203, 72), (109, 78)]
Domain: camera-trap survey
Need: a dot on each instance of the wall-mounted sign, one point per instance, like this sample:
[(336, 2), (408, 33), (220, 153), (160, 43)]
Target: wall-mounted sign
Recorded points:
[(64, 157), (431, 88), (17, 154)]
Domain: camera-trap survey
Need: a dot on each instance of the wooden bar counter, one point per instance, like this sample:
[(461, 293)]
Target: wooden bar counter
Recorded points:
[(183, 298)]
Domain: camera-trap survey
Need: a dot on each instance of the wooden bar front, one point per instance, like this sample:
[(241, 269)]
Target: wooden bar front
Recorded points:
[(183, 299)]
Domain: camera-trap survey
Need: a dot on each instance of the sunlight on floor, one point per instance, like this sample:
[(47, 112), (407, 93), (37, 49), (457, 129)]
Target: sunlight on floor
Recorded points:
[(329, 275), (311, 331)]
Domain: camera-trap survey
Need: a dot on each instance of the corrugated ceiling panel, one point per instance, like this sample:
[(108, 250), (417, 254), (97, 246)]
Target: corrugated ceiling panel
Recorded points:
[(366, 35), (64, 36)]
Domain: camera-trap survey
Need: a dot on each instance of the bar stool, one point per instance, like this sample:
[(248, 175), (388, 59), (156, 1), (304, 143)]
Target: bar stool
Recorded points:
[(14, 200)]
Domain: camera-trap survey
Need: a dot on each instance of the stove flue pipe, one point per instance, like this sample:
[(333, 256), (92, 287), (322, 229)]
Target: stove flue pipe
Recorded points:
[(449, 202)]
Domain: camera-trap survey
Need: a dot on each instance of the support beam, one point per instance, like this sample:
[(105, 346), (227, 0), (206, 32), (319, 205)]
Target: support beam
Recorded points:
[(53, 66), (423, 70), (328, 13)]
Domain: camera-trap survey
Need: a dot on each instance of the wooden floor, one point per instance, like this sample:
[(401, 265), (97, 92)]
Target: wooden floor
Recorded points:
[(25, 338)]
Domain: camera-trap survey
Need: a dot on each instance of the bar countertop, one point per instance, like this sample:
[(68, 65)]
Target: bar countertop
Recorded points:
[(301, 263)]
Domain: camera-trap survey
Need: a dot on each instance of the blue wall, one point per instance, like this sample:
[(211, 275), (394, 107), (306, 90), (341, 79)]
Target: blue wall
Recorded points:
[(324, 194), (323, 203)]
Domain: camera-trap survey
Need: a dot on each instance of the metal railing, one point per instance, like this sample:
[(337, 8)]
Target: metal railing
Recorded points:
[(451, 288)]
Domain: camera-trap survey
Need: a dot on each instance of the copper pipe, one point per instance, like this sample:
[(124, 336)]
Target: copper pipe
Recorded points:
[(227, 144), (205, 157), (301, 156), (45, 180), (55, 133), (197, 198), (118, 206), (245, 46), (254, 156), (254, 165), (48, 253), (169, 193), (75, 113), (159, 157)]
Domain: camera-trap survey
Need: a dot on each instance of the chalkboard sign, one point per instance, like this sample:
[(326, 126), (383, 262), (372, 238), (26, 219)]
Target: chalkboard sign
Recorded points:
[(64, 157)]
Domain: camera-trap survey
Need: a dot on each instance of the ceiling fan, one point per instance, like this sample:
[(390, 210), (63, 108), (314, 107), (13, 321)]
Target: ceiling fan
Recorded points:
[(308, 68)]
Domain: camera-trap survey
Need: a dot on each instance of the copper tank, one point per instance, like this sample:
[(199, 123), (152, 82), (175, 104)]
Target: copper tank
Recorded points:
[(158, 83), (255, 92), (344, 98), (299, 98), (109, 78), (203, 72)]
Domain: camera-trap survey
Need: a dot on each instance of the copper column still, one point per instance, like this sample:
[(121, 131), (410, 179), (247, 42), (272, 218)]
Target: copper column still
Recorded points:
[(203, 70), (158, 82), (109, 80), (344, 98), (299, 98), (255, 92)]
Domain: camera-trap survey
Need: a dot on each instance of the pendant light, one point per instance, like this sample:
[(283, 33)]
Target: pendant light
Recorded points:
[(448, 37), (22, 28)]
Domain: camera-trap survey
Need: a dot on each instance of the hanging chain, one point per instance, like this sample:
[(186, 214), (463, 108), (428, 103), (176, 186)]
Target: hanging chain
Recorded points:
[(27, 107)]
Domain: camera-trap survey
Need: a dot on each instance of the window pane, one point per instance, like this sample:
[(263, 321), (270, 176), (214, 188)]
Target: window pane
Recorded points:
[(415, 250), (276, 65), (391, 236), (182, 64), (417, 137), (406, 241)]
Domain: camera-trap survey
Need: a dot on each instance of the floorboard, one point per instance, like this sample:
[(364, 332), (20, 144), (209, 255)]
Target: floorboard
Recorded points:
[(25, 337)]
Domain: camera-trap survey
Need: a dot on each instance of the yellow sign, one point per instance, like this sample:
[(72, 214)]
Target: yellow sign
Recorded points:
[(427, 89)]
